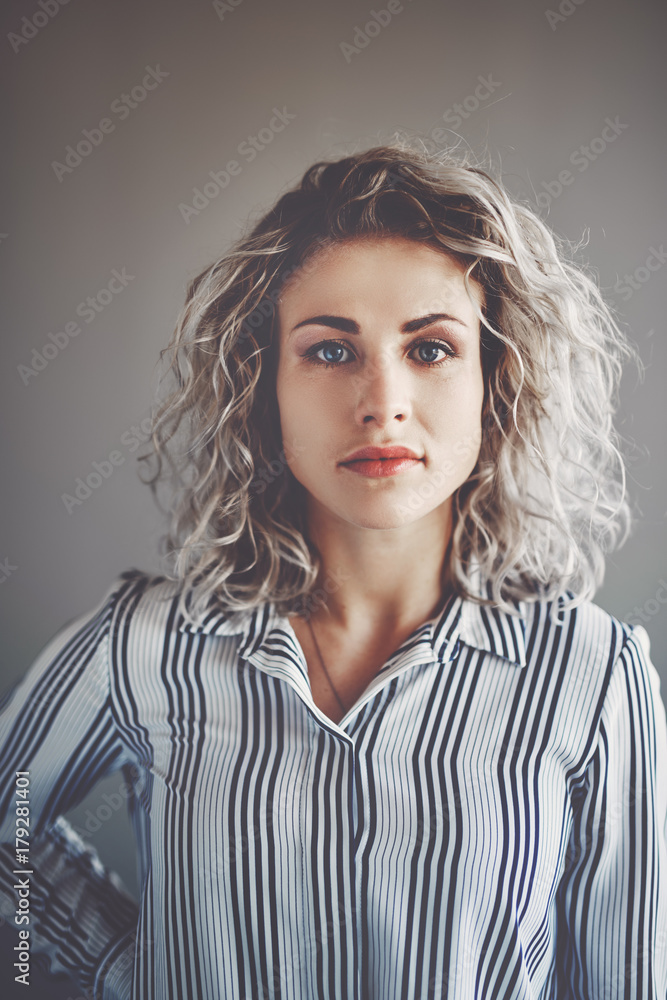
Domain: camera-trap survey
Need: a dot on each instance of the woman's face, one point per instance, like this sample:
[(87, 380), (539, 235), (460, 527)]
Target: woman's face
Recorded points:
[(380, 346)]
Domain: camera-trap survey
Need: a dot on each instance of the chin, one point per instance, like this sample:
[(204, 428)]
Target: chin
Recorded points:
[(395, 512)]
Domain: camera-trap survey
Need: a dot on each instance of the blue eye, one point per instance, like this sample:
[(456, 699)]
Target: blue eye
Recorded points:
[(431, 348), (331, 349), (428, 347), (331, 353)]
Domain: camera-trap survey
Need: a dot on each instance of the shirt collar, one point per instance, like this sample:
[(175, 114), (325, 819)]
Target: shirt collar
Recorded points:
[(483, 627), (489, 628)]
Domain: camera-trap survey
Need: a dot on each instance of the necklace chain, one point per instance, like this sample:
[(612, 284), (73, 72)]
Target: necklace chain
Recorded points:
[(333, 688)]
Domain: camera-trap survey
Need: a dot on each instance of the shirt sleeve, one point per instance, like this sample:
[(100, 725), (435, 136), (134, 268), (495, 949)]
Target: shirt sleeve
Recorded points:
[(612, 898), (58, 738)]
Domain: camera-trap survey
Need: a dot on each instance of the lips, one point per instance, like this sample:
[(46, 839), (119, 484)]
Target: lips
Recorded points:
[(380, 454)]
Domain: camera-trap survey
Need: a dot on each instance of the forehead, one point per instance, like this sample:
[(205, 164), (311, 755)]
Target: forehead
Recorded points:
[(384, 271)]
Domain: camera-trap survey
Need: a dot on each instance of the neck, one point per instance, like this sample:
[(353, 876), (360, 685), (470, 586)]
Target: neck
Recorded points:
[(391, 578)]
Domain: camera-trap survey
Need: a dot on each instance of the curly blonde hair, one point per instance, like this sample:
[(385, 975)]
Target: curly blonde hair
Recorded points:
[(547, 498)]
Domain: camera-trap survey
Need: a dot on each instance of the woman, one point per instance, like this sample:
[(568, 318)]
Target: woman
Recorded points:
[(380, 742)]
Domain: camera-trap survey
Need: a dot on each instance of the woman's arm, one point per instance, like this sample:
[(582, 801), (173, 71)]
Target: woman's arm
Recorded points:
[(612, 898), (58, 738)]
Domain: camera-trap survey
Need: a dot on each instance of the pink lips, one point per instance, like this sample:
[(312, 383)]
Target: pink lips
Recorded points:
[(378, 463)]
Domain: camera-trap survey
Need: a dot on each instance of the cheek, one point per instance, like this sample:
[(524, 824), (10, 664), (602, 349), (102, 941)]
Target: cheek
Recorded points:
[(461, 401), (305, 422), (301, 396), (298, 404), (287, 395), (455, 422), (470, 428)]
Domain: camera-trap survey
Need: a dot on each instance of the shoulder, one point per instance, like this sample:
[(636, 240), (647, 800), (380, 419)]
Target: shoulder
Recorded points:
[(147, 606), (581, 646), (137, 597), (581, 635), (580, 663)]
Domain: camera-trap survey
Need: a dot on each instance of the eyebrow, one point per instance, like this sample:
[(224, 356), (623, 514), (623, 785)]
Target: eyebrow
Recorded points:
[(350, 326)]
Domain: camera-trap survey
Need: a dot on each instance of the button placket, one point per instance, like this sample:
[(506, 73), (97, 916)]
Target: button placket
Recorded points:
[(344, 915)]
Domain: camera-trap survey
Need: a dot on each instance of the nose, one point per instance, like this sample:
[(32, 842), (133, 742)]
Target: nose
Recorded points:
[(383, 392)]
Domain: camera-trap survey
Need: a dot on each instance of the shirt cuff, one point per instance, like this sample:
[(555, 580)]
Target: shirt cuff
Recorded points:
[(114, 975)]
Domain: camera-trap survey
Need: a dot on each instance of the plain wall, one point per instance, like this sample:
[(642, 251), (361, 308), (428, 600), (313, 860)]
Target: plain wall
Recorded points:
[(553, 81)]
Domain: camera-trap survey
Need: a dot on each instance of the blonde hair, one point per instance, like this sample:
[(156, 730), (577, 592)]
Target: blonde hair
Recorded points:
[(546, 500)]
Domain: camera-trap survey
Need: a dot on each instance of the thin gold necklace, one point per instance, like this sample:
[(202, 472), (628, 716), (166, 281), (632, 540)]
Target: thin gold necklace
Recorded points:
[(343, 709)]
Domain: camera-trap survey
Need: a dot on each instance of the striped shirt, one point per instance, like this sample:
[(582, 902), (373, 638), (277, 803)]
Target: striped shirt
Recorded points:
[(489, 820)]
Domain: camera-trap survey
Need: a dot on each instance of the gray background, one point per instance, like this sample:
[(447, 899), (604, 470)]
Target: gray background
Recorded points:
[(554, 84)]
